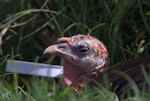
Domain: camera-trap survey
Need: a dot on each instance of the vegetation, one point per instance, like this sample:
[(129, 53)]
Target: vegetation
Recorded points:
[(27, 27)]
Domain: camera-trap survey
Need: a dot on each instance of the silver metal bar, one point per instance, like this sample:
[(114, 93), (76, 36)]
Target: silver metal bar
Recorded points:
[(38, 69)]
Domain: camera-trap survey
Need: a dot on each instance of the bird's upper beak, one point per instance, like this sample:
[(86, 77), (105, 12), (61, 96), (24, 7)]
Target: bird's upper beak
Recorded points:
[(62, 48), (58, 49)]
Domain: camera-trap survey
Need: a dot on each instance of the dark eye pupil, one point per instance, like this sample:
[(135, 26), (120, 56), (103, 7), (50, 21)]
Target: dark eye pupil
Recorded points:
[(83, 50)]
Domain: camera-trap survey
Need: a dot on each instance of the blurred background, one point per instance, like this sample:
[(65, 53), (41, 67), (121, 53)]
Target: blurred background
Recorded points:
[(27, 27)]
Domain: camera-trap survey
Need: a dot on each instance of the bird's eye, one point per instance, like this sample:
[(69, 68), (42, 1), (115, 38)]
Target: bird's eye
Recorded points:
[(83, 49)]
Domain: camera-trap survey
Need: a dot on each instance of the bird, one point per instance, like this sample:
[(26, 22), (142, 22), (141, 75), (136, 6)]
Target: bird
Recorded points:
[(86, 60)]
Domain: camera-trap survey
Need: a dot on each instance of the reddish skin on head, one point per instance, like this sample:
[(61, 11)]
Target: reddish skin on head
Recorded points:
[(85, 58)]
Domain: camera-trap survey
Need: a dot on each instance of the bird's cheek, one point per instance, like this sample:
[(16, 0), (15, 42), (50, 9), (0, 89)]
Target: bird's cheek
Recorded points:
[(72, 59), (87, 64)]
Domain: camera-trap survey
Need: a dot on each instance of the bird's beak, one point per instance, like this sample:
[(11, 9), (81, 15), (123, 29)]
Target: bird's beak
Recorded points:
[(50, 49), (58, 49), (62, 49)]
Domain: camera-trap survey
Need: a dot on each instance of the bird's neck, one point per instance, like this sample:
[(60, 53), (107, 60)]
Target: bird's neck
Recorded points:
[(87, 79), (73, 76)]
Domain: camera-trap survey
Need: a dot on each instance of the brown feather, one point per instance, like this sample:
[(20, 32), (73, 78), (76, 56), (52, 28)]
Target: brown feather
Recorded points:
[(133, 68)]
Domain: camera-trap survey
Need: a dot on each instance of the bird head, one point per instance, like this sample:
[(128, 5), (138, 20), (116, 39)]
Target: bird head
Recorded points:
[(83, 55)]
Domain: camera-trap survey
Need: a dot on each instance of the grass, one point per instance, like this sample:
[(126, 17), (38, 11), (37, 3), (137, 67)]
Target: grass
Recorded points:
[(28, 27), (47, 89)]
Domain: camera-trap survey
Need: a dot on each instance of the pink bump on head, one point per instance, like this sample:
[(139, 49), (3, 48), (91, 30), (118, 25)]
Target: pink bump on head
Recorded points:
[(66, 39), (102, 49)]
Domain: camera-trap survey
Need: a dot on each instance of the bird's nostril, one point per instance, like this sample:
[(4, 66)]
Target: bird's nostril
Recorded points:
[(62, 45)]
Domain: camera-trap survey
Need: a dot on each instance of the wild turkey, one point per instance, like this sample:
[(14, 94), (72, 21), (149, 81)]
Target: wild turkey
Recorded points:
[(86, 61)]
